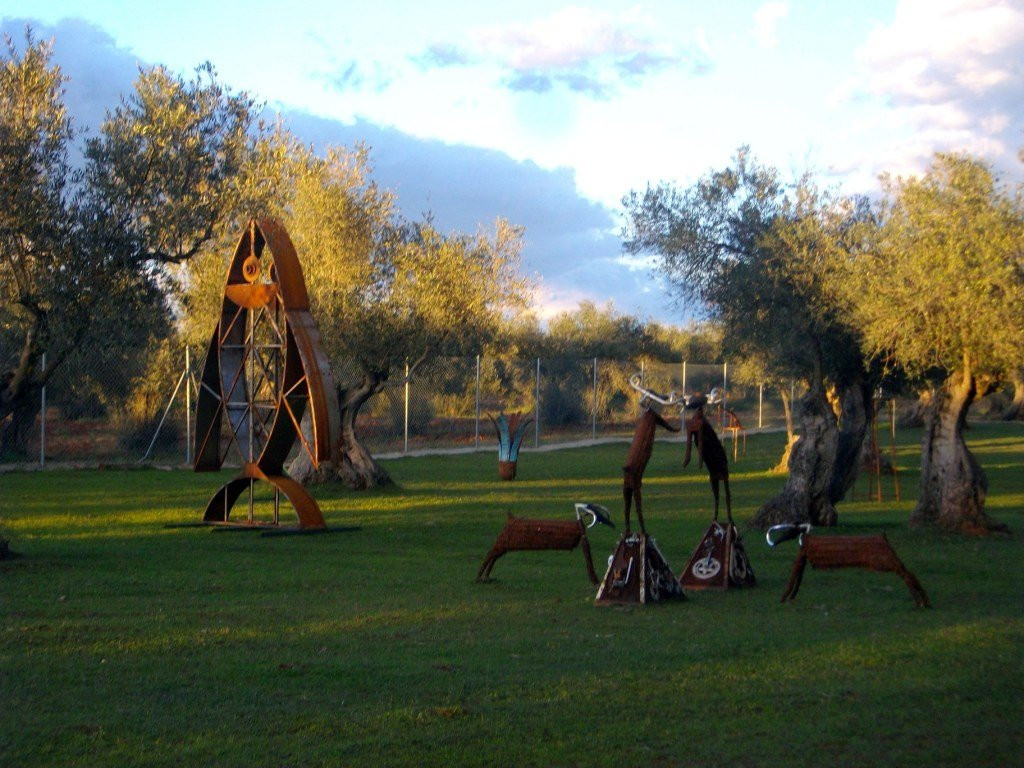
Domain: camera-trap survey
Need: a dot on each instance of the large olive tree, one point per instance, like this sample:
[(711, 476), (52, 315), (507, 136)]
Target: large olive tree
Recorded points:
[(941, 292), (35, 229), (90, 257), (64, 284)]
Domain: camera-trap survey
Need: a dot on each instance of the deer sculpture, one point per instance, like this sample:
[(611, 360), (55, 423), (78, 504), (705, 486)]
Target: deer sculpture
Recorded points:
[(711, 454), (641, 448), (830, 552), (525, 534)]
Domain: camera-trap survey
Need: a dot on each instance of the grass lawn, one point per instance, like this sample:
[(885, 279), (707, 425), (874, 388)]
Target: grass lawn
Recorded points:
[(125, 642)]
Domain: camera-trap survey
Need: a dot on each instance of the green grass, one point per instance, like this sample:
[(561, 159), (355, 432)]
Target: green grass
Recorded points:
[(124, 642)]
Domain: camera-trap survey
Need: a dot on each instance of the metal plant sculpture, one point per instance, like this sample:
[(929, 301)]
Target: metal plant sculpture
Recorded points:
[(264, 370), (830, 552), (525, 534), (510, 439)]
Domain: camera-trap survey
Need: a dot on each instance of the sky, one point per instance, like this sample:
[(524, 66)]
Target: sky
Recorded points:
[(547, 113)]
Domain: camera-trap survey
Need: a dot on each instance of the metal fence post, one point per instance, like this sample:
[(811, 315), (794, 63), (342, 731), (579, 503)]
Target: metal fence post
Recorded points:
[(42, 418), (476, 428), (760, 403), (684, 377), (536, 408), (725, 389), (405, 445), (593, 430), (188, 406)]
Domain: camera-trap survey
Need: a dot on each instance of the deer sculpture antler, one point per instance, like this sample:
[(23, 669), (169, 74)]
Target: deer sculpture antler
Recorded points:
[(649, 394)]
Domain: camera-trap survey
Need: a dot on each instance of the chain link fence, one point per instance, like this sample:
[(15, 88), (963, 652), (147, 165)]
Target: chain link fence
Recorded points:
[(117, 406)]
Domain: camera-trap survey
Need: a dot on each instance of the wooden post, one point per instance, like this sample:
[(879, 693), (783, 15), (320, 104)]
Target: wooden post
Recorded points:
[(42, 418), (476, 432), (536, 408), (188, 407), (760, 404)]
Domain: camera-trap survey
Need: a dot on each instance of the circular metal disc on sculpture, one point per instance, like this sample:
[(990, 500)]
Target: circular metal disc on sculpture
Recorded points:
[(265, 369)]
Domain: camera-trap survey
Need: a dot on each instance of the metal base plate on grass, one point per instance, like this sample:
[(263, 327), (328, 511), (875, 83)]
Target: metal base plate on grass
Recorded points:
[(265, 529)]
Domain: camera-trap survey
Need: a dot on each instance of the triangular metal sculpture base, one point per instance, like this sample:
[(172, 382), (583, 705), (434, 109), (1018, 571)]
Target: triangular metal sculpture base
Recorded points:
[(719, 561), (638, 573)]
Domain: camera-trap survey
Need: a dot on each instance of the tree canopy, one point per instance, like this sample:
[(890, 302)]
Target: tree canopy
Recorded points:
[(941, 288), (93, 254), (745, 250)]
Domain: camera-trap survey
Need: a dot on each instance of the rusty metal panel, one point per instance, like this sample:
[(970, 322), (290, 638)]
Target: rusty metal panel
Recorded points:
[(719, 561), (637, 574)]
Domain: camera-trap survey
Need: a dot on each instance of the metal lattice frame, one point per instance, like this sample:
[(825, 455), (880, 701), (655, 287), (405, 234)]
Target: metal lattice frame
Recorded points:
[(264, 370)]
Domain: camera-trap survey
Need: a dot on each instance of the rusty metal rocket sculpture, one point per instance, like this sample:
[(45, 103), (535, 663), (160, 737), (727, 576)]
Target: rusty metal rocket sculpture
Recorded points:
[(264, 370)]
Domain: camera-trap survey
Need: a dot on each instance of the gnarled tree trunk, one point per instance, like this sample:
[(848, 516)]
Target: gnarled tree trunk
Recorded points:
[(350, 464), (953, 485), (1015, 411), (19, 397), (824, 461), (16, 421), (805, 498), (856, 406), (791, 436)]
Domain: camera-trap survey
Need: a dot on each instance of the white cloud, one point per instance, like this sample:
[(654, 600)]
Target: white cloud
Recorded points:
[(950, 76), (586, 50), (766, 23), (566, 39)]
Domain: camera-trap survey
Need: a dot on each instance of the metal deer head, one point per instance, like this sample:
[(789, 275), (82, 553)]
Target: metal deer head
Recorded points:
[(694, 402), (596, 514), (650, 395)]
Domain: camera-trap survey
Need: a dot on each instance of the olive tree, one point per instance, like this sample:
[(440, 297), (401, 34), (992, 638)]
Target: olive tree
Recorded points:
[(94, 255), (35, 230), (941, 292), (61, 287)]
